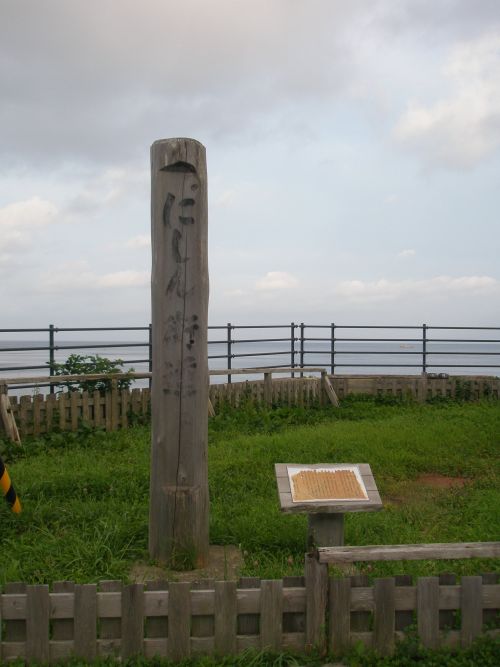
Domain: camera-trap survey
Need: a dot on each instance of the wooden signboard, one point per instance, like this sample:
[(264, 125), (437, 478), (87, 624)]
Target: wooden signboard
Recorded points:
[(325, 491)]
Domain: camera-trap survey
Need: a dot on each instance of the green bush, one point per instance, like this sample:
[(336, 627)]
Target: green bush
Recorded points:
[(79, 364)]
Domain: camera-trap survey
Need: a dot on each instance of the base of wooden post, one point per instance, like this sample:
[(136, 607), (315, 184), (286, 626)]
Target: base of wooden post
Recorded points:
[(325, 530)]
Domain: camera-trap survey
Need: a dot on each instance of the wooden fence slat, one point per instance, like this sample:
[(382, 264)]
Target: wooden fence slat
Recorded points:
[(37, 623), (271, 614), (15, 630), (248, 624), (115, 406), (74, 412), (124, 405), (108, 409), (25, 409), (203, 625), (157, 626), (446, 616), (293, 621), (85, 621), (62, 401), (96, 399), (50, 407), (132, 620), (360, 620), (110, 628), (135, 402), (85, 407), (316, 601), (384, 615), (62, 628), (146, 402), (225, 617), (471, 605), (339, 629), (428, 611), (179, 621), (37, 409), (404, 618), (490, 615)]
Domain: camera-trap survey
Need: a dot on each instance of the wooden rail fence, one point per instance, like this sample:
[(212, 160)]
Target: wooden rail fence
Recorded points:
[(177, 620), (116, 409)]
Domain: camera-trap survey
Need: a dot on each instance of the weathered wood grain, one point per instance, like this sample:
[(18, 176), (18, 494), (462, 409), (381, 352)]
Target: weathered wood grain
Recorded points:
[(384, 615), (339, 616), (132, 629), (156, 626), (471, 606), (248, 621), (316, 601), (225, 617), (202, 625), (62, 628), (15, 630), (404, 617), (178, 520), (111, 627), (428, 611), (271, 614), (85, 623), (37, 623), (439, 551), (179, 621)]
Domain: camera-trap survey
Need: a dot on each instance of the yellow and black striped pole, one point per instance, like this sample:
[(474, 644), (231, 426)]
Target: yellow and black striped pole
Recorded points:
[(8, 490)]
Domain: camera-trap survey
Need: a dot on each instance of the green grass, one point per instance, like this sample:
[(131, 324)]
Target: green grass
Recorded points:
[(484, 652), (85, 496)]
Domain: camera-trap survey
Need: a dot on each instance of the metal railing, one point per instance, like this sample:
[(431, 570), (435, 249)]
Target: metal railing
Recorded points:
[(336, 347)]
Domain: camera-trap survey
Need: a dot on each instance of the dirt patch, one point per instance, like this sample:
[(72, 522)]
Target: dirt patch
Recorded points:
[(441, 481), (224, 563), (418, 488)]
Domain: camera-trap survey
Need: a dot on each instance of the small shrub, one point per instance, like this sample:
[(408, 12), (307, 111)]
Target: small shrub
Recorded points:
[(79, 364)]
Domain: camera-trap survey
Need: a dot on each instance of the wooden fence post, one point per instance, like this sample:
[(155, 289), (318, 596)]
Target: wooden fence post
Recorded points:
[(178, 515), (316, 600)]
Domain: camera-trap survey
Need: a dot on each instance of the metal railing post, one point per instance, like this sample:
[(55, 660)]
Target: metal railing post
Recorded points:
[(332, 348), (150, 352), (229, 351), (302, 327), (292, 346), (51, 355), (424, 348)]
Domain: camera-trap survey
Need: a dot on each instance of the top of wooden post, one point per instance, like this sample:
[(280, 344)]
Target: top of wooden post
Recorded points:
[(179, 154)]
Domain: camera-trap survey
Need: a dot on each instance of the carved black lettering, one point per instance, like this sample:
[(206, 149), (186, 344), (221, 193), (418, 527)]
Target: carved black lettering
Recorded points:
[(172, 283), (176, 239), (186, 220), (167, 209), (180, 167), (187, 202)]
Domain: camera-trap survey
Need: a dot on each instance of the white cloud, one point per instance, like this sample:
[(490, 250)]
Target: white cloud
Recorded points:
[(407, 253), (20, 220), (77, 275), (276, 280), (463, 127), (124, 279), (141, 241), (34, 212), (385, 290)]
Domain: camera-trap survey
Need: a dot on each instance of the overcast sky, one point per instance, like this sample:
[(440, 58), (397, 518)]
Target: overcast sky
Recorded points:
[(353, 156)]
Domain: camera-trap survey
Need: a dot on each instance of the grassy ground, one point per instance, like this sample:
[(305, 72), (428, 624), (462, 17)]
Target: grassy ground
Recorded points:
[(85, 496)]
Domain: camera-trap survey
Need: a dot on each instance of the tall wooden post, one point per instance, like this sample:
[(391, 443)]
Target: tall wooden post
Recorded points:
[(178, 515)]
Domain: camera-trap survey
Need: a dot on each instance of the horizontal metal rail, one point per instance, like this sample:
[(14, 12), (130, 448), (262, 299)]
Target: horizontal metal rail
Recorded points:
[(370, 346)]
